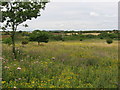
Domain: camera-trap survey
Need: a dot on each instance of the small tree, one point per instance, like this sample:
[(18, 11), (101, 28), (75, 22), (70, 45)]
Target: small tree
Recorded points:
[(39, 36), (16, 12)]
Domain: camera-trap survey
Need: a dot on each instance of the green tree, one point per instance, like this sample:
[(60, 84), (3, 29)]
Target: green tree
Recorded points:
[(16, 12), (39, 36)]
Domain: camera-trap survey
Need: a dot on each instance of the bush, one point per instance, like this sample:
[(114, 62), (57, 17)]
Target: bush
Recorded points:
[(109, 41), (7, 41), (108, 35), (57, 37), (24, 42), (90, 36), (39, 36), (101, 37), (81, 39)]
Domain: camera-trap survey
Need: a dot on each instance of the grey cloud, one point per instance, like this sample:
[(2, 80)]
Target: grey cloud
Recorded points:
[(76, 15)]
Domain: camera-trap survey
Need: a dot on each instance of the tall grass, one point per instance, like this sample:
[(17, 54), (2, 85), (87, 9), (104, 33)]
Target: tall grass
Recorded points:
[(87, 64)]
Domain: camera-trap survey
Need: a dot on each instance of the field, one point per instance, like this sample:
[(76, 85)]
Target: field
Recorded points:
[(69, 64)]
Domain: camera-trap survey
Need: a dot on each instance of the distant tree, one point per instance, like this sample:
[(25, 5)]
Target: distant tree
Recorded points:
[(108, 35), (103, 35), (25, 33), (90, 36), (20, 31), (16, 12), (113, 35), (116, 31), (39, 36)]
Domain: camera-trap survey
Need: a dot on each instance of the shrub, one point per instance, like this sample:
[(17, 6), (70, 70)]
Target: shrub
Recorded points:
[(24, 42), (57, 37), (109, 41), (7, 41), (108, 35), (101, 37), (81, 39), (90, 36)]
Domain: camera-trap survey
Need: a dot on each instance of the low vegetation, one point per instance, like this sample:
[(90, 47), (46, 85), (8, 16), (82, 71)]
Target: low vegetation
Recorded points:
[(69, 64), (7, 41)]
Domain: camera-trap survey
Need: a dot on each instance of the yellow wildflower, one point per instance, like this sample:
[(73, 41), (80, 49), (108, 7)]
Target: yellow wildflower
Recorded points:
[(3, 82)]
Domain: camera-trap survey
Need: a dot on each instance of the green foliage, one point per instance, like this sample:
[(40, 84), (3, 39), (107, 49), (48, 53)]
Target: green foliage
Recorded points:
[(57, 37), (90, 36), (7, 41), (87, 36), (72, 37), (39, 36), (25, 33), (19, 12), (109, 41), (113, 35), (108, 35)]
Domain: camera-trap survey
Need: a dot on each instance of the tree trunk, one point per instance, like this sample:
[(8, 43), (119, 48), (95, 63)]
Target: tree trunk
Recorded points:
[(13, 41), (13, 45)]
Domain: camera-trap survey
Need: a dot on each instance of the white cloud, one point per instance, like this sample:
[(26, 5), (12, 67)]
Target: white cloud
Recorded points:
[(94, 14)]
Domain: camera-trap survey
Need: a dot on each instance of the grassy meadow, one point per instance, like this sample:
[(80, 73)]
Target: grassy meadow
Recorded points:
[(62, 64)]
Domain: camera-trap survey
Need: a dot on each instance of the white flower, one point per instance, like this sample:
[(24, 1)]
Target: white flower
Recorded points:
[(19, 68), (14, 87), (19, 78), (6, 67)]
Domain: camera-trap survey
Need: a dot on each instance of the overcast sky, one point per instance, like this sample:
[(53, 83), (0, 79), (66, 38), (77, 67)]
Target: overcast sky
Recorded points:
[(77, 15)]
